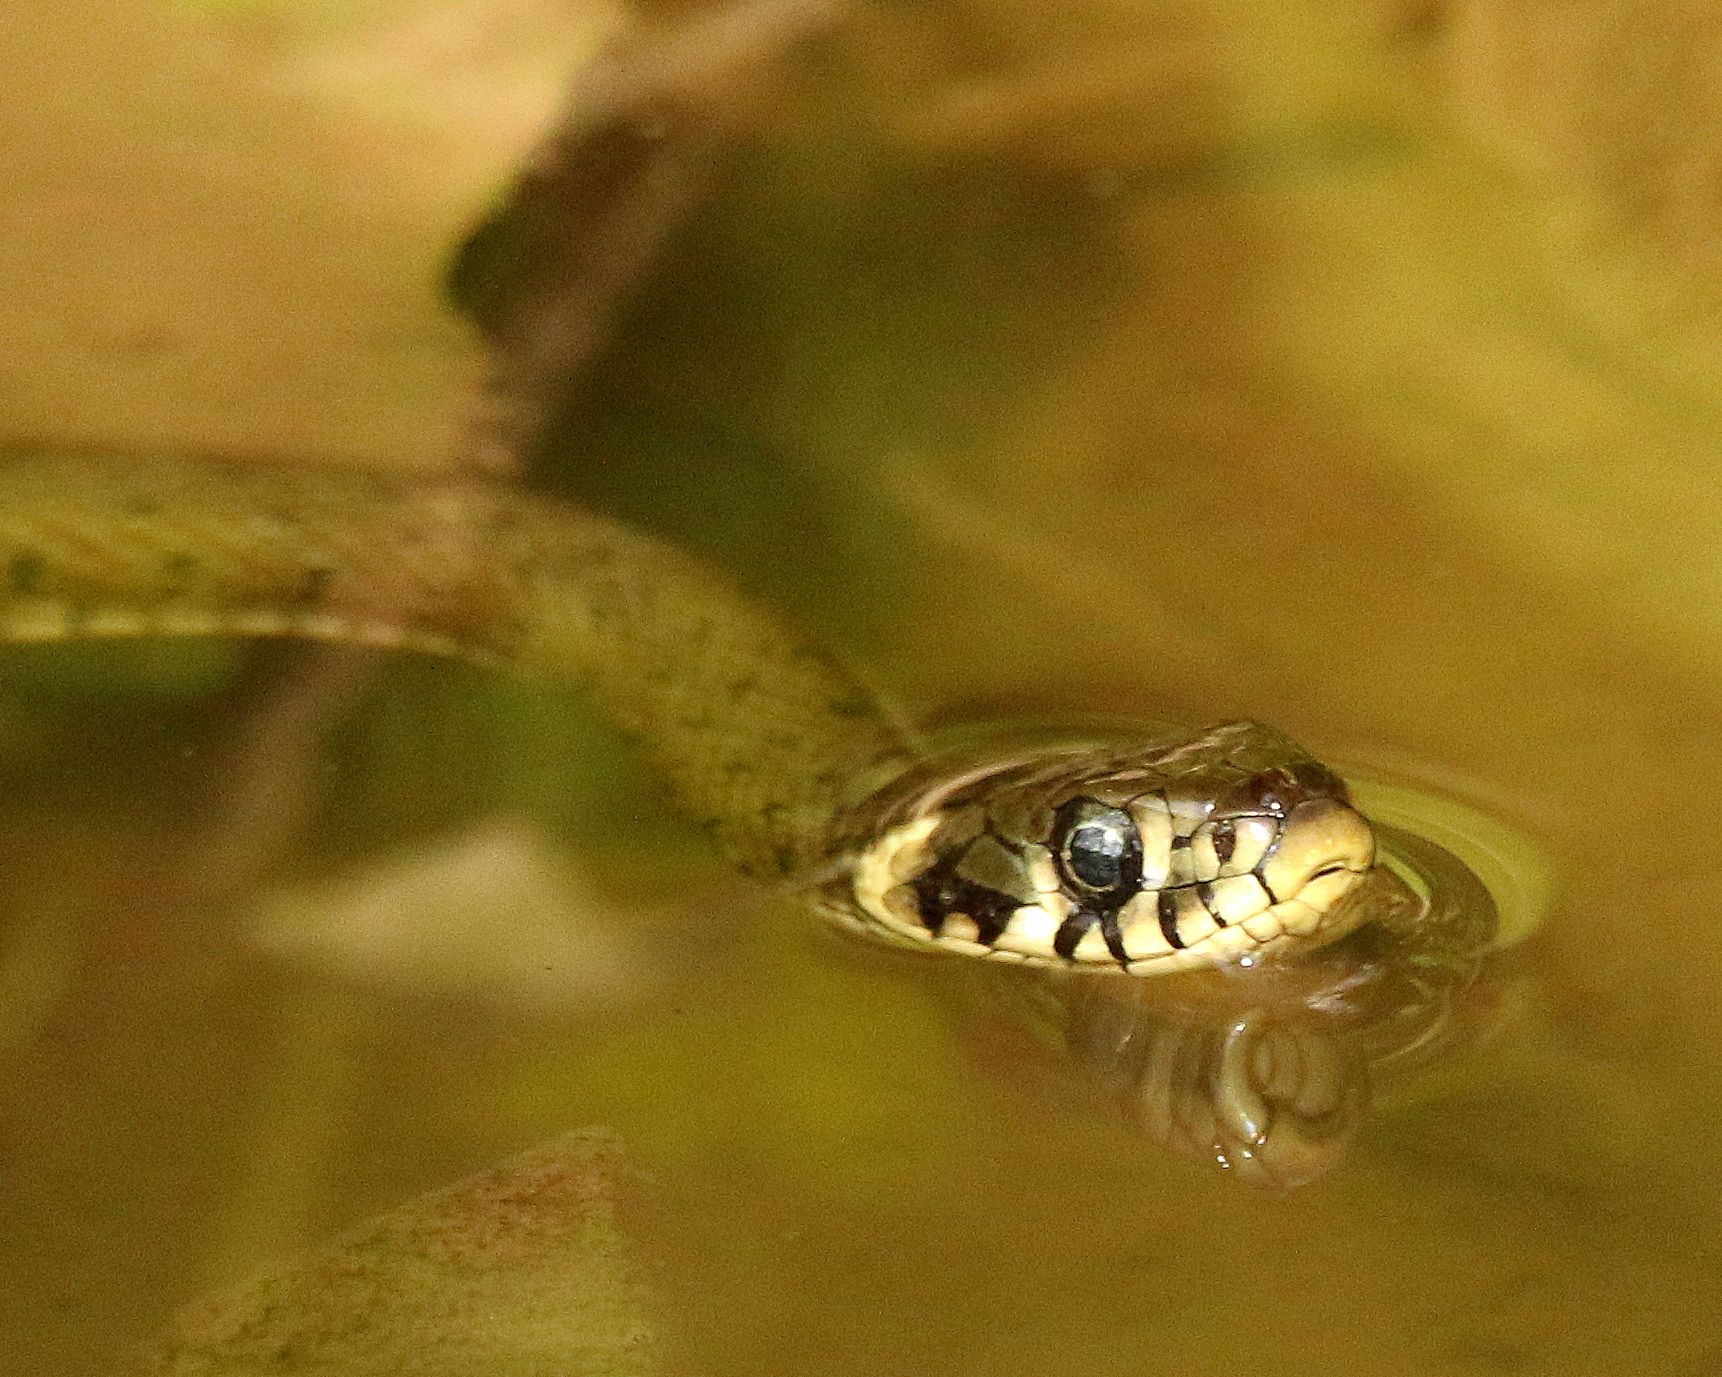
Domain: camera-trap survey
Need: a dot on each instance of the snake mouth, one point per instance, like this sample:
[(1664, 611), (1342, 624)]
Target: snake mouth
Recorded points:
[(1215, 866)]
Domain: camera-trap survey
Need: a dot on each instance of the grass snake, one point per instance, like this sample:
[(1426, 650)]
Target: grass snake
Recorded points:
[(1228, 846)]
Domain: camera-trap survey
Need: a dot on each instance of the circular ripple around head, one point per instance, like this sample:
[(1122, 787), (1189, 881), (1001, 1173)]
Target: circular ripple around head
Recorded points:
[(1515, 870)]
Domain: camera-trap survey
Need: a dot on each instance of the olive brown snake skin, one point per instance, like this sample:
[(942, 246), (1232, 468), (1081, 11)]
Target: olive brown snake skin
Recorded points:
[(1201, 851)]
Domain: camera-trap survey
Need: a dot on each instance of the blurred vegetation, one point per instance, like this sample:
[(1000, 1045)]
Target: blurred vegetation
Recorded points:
[(1352, 366)]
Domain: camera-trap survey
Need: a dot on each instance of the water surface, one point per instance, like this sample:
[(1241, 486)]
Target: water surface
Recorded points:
[(1325, 416)]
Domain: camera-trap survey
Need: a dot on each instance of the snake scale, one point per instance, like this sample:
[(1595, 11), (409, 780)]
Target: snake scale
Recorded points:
[(1228, 846)]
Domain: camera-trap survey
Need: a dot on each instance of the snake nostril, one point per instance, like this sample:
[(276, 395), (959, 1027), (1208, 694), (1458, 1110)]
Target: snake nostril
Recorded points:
[(1274, 790)]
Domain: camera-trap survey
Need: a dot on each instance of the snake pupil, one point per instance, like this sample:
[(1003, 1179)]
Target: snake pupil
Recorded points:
[(1099, 850), (1097, 856)]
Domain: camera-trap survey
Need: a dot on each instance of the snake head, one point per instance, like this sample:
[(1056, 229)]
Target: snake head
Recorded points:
[(1225, 847)]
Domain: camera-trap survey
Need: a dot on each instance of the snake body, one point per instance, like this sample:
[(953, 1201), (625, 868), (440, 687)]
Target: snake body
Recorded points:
[(1229, 846), (764, 738)]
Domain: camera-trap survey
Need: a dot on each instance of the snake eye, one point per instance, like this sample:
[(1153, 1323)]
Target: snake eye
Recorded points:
[(1099, 852)]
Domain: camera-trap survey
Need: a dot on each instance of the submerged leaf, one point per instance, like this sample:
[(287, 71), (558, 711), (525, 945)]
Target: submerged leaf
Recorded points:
[(521, 1271)]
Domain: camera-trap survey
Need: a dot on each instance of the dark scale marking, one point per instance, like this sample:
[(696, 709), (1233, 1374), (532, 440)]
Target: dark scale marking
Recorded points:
[(941, 892), (1072, 931), (1275, 790), (1225, 838), (1283, 787), (1319, 780), (1114, 937), (1205, 892), (1168, 906)]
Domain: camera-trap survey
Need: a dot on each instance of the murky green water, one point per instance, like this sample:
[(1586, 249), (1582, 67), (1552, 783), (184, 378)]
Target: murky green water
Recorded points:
[(1293, 405), (843, 1156)]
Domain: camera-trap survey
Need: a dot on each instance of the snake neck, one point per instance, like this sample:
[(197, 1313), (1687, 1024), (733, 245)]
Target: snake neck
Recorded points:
[(769, 740), (1229, 845), (762, 736)]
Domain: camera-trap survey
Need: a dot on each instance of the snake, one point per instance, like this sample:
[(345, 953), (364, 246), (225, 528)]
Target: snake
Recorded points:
[(1224, 847), (1219, 853)]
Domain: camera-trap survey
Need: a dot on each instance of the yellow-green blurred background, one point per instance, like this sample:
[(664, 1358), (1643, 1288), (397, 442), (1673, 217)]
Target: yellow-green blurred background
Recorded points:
[(1352, 366)]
